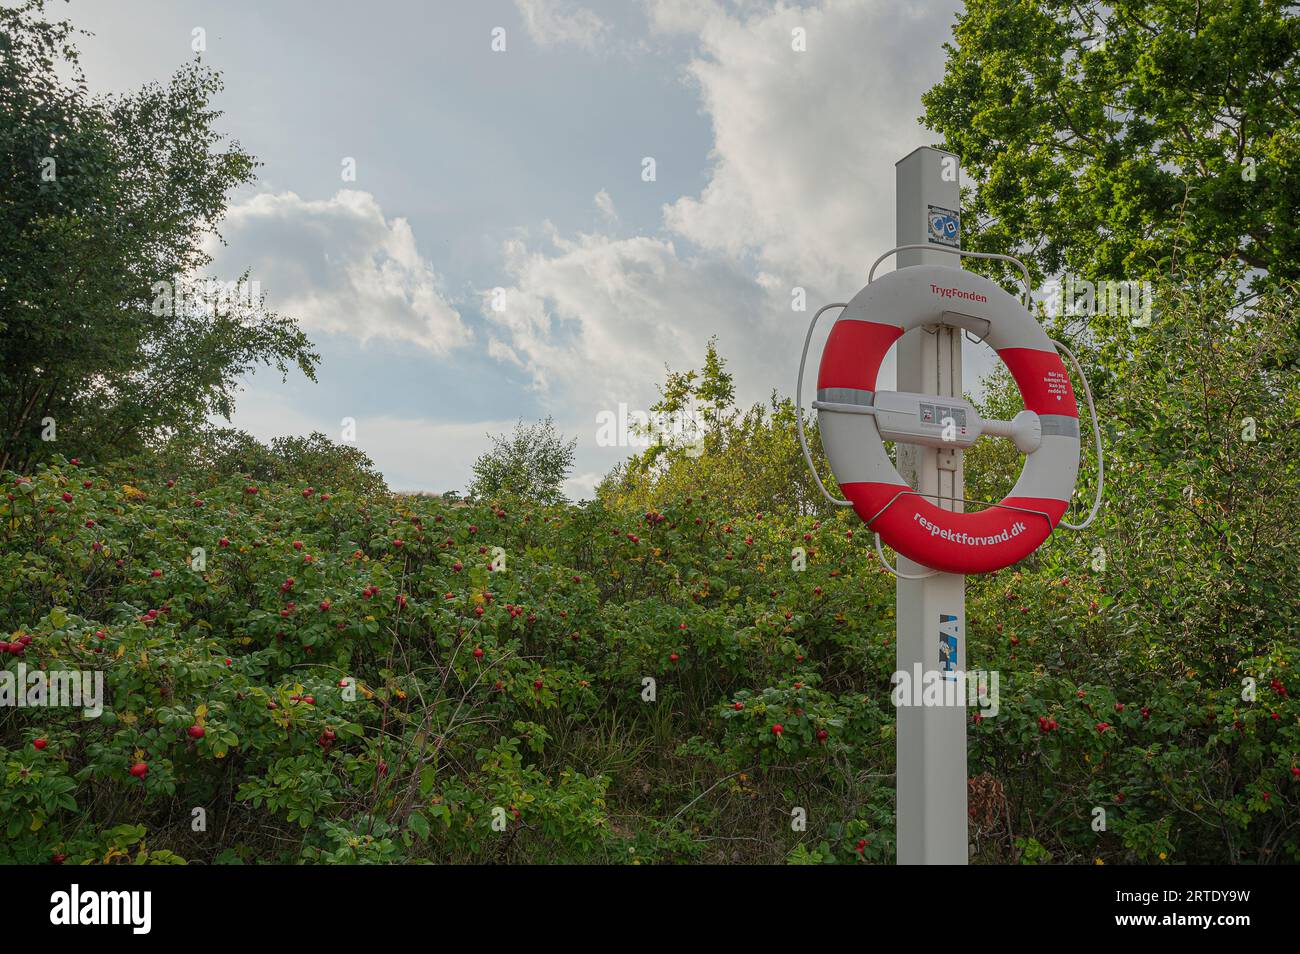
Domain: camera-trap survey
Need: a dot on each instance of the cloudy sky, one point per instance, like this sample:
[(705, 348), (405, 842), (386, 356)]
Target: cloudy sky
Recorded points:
[(500, 253)]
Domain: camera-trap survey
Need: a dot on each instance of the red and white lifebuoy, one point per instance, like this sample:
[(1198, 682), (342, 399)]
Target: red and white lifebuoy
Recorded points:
[(913, 525)]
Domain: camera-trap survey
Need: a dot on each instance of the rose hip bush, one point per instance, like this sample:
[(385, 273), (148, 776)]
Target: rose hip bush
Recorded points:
[(297, 672)]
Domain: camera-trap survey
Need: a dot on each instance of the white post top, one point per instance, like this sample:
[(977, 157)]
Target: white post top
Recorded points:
[(929, 205)]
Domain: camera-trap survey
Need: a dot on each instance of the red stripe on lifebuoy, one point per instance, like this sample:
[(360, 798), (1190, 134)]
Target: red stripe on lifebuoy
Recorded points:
[(853, 354), (978, 542), (1043, 382)]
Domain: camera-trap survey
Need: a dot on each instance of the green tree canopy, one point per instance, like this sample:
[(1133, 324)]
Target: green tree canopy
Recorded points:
[(105, 208), (313, 461), (1128, 139), (532, 463)]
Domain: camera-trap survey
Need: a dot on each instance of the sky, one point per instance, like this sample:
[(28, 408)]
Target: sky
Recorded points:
[(455, 200)]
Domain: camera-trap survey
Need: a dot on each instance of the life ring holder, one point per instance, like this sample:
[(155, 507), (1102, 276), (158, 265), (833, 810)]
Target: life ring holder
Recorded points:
[(908, 491)]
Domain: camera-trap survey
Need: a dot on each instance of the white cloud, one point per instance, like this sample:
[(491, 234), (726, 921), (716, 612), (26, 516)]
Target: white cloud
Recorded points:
[(805, 142), (682, 16), (595, 319), (339, 266), (582, 486), (552, 22), (800, 194), (605, 204)]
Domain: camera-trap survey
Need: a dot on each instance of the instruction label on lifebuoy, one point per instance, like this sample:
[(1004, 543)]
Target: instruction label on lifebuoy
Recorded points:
[(1057, 385)]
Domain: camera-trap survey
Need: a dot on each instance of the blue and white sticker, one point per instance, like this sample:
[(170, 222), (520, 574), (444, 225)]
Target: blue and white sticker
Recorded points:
[(948, 630), (944, 226)]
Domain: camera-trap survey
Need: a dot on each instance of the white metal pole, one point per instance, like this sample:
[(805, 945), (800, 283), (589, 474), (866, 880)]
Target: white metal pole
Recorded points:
[(931, 740)]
